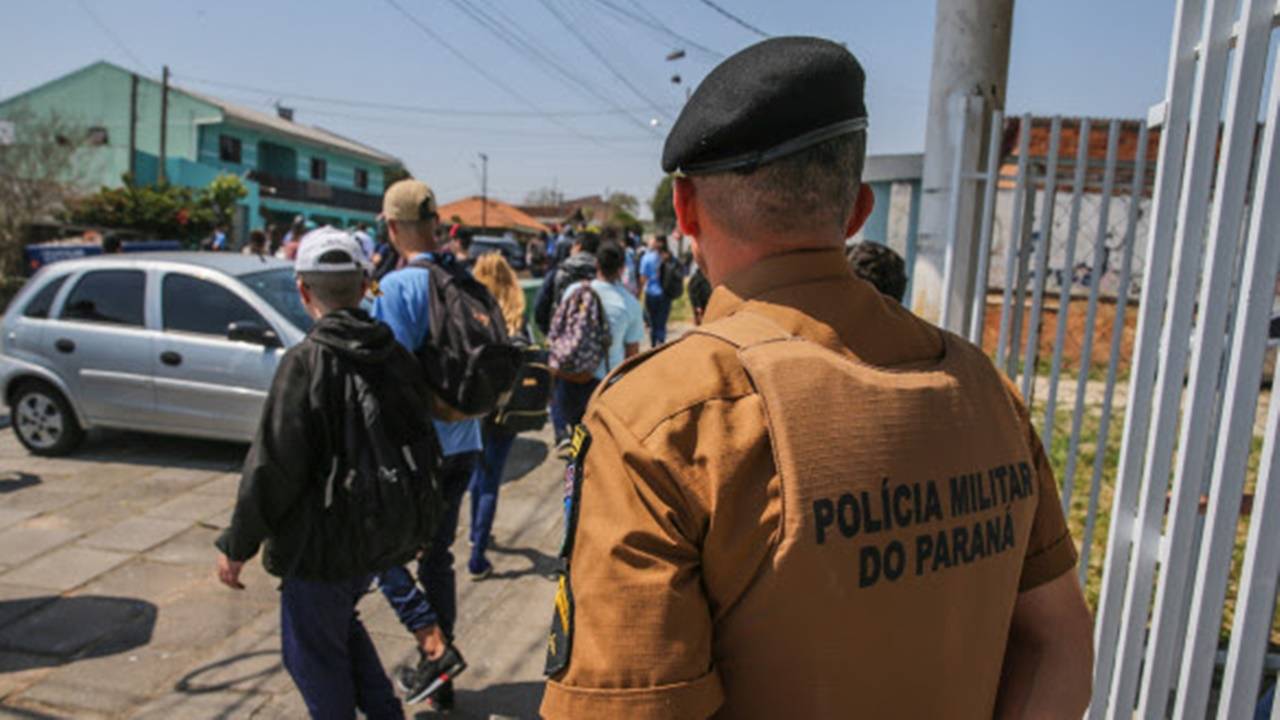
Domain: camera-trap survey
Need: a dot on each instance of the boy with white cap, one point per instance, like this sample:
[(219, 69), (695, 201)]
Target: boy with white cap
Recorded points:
[(317, 532)]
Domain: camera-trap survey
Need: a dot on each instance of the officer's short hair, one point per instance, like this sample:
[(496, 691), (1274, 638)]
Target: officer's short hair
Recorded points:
[(881, 266), (610, 258), (812, 189)]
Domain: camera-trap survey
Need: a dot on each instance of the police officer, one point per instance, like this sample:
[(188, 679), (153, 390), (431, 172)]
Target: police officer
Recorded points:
[(815, 505)]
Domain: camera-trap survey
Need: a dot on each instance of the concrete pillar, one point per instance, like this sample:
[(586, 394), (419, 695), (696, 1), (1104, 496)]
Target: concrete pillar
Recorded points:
[(970, 59)]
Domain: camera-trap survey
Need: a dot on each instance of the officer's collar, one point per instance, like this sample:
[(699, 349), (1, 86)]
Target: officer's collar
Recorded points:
[(773, 272)]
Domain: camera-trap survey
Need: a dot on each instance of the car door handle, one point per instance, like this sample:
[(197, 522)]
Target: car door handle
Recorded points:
[(169, 357), (65, 346)]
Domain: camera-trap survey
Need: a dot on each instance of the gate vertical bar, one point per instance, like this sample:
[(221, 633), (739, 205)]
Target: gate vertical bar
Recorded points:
[(1091, 317), (1236, 156), (1041, 261), (1182, 61), (913, 232), (1064, 289), (1025, 250), (1251, 630), (1188, 244), (1244, 376), (977, 314), (1117, 343), (1016, 240)]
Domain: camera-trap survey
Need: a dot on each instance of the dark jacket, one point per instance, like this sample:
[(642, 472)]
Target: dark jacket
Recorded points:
[(581, 266), (281, 494)]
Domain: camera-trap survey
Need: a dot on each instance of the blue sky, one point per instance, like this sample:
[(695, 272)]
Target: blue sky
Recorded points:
[(550, 110)]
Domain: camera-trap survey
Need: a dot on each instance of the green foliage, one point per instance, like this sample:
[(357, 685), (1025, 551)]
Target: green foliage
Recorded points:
[(38, 174), (162, 211), (664, 212), (394, 174)]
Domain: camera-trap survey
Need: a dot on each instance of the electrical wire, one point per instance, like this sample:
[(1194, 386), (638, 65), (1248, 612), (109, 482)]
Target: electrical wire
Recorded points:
[(510, 35), (735, 18), (115, 39), (582, 38), (480, 70), (422, 109), (656, 25)]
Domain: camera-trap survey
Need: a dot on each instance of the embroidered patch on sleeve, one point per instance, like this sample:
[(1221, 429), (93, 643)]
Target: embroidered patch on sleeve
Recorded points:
[(573, 486), (560, 639)]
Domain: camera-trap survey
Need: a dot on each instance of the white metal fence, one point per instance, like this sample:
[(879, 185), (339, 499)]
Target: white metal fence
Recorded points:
[(1178, 548)]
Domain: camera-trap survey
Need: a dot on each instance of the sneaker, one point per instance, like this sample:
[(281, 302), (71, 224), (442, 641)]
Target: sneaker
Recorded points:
[(442, 700), (479, 568), (430, 676)]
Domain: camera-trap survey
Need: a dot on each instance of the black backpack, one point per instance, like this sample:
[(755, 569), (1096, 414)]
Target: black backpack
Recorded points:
[(671, 278), (382, 500), (526, 408), (468, 360)]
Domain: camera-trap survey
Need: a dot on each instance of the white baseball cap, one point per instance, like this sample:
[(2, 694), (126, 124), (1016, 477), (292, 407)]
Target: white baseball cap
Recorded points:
[(329, 249)]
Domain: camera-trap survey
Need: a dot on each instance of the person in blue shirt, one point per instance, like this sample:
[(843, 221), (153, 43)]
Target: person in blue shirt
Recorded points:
[(626, 328), (410, 209), (656, 303)]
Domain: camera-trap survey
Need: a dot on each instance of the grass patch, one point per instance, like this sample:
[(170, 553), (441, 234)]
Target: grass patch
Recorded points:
[(1087, 452)]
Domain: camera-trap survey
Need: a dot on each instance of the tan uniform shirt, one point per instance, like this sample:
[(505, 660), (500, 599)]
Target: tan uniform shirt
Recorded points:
[(863, 563)]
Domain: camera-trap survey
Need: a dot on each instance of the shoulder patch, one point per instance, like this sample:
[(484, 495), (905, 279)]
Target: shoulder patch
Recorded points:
[(560, 637)]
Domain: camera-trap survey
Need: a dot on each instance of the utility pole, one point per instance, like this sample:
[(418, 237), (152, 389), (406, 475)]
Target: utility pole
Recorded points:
[(133, 129), (484, 191), (970, 72), (164, 122)]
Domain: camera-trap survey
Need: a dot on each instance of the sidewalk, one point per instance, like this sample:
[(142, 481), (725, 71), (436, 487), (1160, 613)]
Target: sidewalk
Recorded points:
[(109, 607)]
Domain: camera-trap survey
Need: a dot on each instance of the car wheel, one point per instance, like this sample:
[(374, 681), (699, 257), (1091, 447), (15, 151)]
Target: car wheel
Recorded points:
[(43, 420)]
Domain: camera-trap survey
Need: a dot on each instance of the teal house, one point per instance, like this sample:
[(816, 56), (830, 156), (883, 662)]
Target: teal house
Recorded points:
[(289, 168)]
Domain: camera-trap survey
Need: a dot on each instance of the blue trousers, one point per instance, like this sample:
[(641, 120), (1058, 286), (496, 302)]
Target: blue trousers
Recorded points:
[(558, 424), (572, 398), (659, 309), (436, 603), (484, 489), (329, 654)]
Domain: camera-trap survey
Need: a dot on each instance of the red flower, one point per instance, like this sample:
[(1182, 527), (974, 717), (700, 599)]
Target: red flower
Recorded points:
[(183, 216)]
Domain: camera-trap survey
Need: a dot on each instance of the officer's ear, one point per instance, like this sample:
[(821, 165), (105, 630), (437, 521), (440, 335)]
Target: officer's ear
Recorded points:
[(684, 198), (862, 208)]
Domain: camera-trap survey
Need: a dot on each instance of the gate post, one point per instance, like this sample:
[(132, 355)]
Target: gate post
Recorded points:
[(970, 57)]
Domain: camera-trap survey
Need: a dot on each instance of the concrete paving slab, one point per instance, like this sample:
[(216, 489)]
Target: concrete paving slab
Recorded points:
[(71, 698), (191, 506), (136, 534), (204, 616), (11, 516), (71, 626), (39, 499), (19, 671), (23, 542), (91, 514), (224, 485), (123, 677), (192, 546), (158, 582), (224, 705), (19, 600), (64, 569)]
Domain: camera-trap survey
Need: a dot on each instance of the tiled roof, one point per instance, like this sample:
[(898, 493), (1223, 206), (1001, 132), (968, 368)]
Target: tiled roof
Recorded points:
[(1069, 147), (497, 215)]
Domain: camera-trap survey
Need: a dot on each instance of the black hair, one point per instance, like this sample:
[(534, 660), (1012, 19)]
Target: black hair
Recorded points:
[(589, 242), (609, 259), (881, 266)]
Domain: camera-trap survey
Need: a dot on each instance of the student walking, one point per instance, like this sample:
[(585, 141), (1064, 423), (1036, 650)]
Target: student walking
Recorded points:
[(493, 271), (319, 535)]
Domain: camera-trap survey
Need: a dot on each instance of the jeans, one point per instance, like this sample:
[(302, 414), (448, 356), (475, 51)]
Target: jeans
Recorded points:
[(436, 603), (484, 491), (572, 398), (558, 424), (659, 309), (328, 653)]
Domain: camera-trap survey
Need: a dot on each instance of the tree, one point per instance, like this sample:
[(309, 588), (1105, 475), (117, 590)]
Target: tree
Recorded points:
[(38, 175), (544, 196), (171, 212), (664, 212), (393, 174), (622, 202)]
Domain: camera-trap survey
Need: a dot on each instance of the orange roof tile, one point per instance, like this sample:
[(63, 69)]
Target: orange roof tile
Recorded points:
[(494, 214)]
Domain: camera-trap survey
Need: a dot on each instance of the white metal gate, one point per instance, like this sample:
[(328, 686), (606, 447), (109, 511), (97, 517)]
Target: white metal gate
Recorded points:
[(1193, 434)]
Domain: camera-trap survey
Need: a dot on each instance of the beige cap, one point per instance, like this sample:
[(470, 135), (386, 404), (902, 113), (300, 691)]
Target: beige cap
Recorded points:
[(409, 200)]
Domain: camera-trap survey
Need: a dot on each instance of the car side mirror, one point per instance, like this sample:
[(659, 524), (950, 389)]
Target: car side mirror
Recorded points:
[(253, 332)]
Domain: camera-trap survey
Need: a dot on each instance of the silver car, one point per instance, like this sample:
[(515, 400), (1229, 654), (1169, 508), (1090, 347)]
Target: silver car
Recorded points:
[(174, 343)]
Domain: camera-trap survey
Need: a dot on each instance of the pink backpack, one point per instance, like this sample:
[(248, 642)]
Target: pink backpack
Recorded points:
[(579, 337)]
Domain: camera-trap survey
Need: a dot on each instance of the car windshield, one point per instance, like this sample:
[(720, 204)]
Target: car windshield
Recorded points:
[(278, 289)]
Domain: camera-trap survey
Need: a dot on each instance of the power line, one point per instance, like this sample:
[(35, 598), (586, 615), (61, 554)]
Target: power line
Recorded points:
[(655, 25), (735, 18), (601, 57), (423, 109), (474, 66), (111, 35), (510, 35)]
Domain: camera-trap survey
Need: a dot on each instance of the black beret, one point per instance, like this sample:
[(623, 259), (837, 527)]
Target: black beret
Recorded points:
[(771, 100)]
